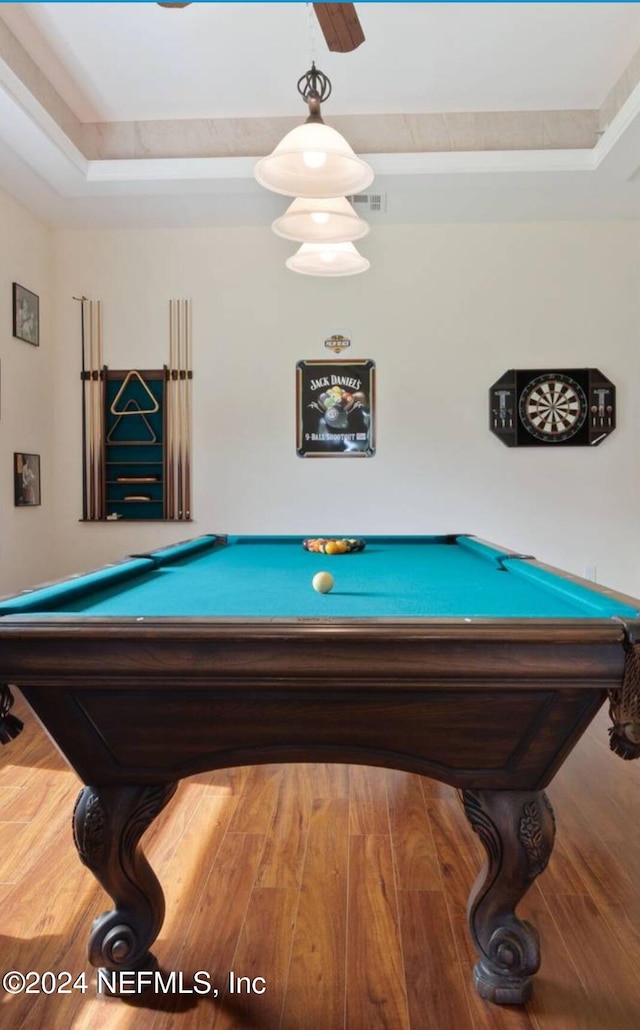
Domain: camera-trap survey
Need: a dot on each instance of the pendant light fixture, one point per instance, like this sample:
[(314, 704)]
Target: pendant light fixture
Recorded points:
[(314, 160), (327, 259), (320, 220)]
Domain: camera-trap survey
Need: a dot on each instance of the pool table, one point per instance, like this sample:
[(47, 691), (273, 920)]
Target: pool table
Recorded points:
[(440, 655)]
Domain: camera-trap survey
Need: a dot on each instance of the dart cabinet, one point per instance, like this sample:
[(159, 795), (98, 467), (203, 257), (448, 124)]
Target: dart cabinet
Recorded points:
[(562, 407), (134, 444)]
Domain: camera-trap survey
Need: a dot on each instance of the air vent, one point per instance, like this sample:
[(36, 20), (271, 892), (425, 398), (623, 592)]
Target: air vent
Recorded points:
[(369, 203)]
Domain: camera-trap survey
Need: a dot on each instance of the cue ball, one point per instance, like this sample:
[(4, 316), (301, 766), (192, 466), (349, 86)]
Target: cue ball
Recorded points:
[(322, 582)]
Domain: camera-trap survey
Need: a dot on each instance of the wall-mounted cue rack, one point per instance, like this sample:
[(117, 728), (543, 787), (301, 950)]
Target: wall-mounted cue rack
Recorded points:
[(136, 436), (134, 445)]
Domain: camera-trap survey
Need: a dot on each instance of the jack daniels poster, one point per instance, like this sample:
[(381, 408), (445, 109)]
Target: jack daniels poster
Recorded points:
[(335, 409)]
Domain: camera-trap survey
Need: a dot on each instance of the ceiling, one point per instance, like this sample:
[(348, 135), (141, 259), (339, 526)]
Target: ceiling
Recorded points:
[(130, 114)]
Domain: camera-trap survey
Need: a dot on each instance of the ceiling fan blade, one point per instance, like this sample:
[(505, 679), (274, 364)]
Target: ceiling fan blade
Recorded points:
[(340, 26)]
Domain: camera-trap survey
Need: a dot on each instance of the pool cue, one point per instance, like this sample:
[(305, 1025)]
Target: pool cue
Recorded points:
[(84, 410), (174, 412), (100, 418), (91, 415), (185, 448), (179, 409), (170, 424), (96, 411), (92, 345), (169, 497), (183, 407), (188, 409), (176, 363)]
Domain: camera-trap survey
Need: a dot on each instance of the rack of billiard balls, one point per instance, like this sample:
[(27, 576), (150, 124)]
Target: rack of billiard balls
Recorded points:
[(325, 545)]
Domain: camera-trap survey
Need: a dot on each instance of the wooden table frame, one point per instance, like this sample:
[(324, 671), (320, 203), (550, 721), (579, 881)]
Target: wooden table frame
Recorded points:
[(492, 707)]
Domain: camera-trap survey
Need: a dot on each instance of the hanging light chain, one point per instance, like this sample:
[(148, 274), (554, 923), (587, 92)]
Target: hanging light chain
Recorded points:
[(311, 32)]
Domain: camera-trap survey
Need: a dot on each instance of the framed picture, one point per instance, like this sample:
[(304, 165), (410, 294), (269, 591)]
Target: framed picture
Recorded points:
[(26, 315), (335, 409), (26, 479)]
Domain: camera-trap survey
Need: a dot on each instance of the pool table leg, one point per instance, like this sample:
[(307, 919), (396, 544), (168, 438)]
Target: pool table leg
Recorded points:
[(517, 830), (108, 823)]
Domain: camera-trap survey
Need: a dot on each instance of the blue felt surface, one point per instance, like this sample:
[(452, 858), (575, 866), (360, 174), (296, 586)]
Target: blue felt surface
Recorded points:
[(393, 577)]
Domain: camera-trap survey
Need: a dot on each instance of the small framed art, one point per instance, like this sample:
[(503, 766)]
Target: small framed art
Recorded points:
[(26, 315), (26, 479)]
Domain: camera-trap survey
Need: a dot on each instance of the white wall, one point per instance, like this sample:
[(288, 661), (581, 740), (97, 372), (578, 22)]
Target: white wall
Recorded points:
[(444, 311), (26, 399)]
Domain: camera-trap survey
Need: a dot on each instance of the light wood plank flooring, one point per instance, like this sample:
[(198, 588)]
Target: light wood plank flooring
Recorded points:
[(343, 887)]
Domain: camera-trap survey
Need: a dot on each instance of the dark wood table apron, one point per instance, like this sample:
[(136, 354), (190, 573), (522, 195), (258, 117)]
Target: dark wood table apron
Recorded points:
[(492, 707)]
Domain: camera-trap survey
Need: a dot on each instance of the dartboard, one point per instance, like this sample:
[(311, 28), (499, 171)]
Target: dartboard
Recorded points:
[(553, 407)]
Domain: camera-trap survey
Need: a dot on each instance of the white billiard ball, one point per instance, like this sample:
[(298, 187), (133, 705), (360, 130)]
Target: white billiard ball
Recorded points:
[(322, 582)]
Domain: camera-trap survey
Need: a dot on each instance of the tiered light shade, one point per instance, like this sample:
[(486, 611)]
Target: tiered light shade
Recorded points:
[(320, 220), (313, 160), (327, 259)]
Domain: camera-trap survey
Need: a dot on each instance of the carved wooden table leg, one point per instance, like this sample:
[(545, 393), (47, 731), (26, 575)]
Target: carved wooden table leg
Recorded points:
[(517, 829), (10, 725), (108, 822)]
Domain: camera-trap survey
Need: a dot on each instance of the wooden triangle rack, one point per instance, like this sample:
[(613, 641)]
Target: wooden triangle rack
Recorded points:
[(137, 411), (133, 375)]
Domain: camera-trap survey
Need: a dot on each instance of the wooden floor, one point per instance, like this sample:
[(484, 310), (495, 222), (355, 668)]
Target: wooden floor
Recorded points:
[(343, 887)]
